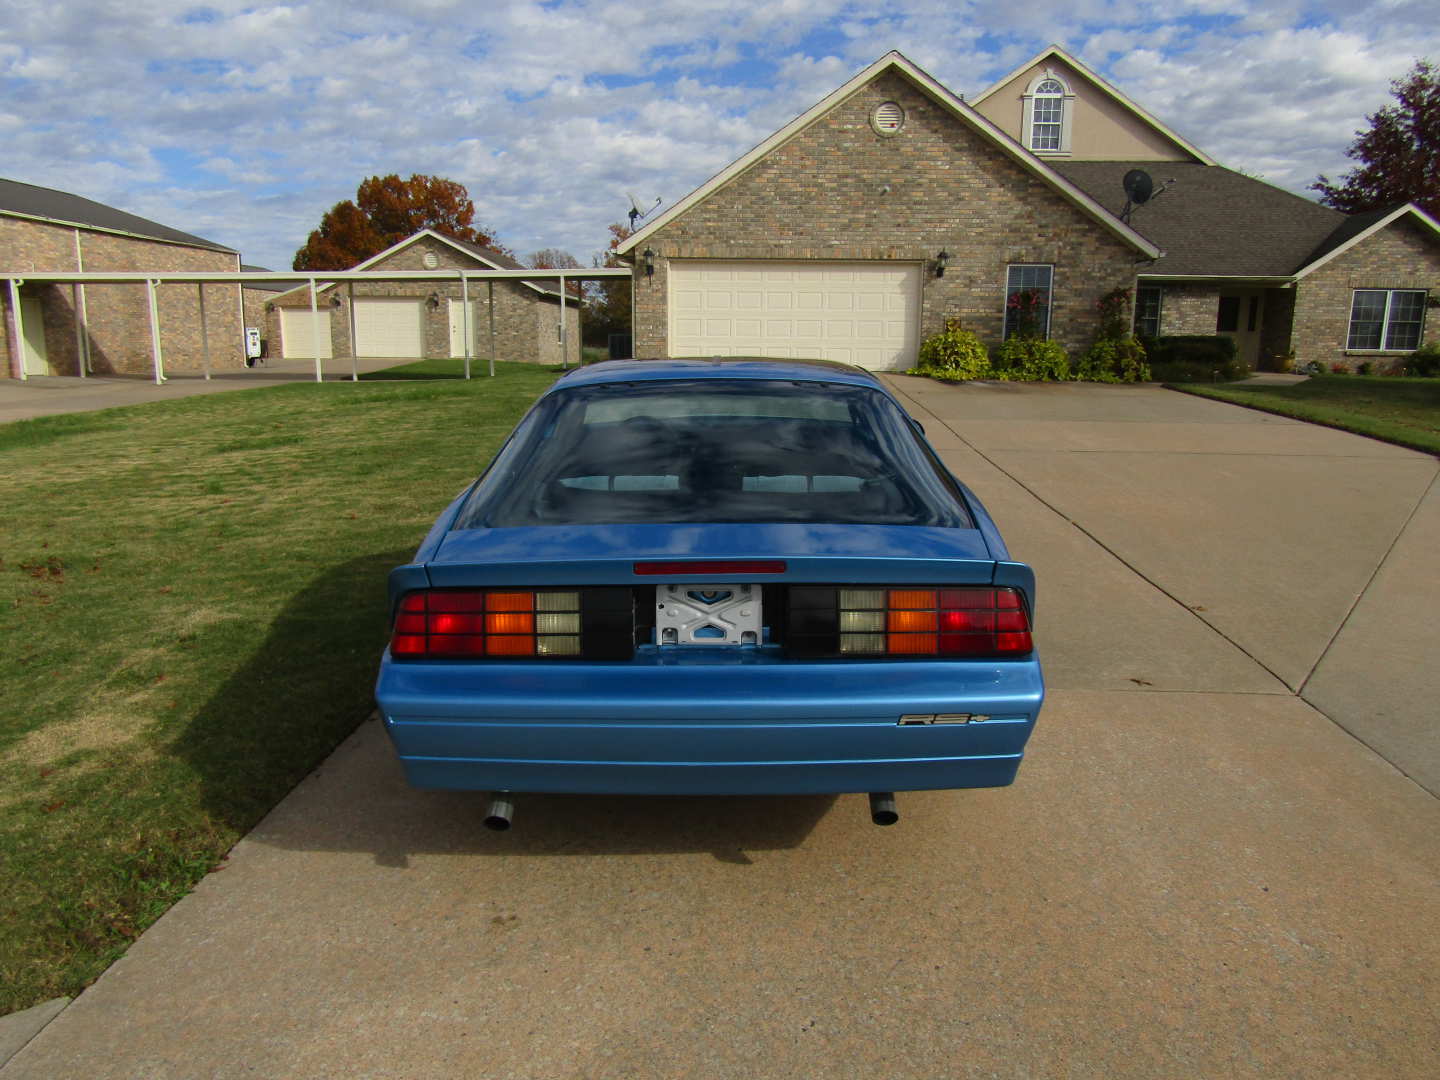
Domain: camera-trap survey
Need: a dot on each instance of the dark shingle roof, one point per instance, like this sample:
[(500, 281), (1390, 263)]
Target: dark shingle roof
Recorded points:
[(505, 262), (263, 286), (32, 201), (1212, 221), (1347, 230)]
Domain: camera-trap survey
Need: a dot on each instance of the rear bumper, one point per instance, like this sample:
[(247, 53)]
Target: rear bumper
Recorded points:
[(715, 728)]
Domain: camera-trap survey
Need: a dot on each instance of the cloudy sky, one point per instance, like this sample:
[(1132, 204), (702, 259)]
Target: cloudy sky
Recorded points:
[(244, 123)]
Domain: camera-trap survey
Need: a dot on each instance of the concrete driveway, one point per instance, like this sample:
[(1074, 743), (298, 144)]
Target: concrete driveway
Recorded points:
[(1221, 858)]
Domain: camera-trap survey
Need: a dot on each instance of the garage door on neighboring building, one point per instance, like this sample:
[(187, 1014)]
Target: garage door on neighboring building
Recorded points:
[(297, 327), (392, 326), (858, 313)]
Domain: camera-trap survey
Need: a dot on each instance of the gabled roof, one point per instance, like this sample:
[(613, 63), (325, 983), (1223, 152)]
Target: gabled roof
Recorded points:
[(1358, 227), (894, 61), (62, 208), (496, 260), (1211, 221), (1099, 81)]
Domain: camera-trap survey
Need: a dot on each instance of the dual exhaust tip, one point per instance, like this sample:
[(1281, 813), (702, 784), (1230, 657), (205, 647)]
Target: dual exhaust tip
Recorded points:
[(502, 809)]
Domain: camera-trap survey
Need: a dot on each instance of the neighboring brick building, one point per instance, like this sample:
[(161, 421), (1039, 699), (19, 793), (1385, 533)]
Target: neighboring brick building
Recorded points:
[(42, 230), (417, 319), (893, 205)]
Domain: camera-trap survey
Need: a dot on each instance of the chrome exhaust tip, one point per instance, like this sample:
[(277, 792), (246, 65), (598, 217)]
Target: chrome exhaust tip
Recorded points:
[(501, 810)]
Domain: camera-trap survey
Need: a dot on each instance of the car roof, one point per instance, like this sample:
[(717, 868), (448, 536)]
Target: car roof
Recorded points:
[(717, 367)]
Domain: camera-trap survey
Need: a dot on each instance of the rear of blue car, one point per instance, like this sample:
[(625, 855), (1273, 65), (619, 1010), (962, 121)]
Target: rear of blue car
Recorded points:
[(712, 580)]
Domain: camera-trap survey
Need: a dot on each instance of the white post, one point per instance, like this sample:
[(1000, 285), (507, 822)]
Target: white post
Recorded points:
[(17, 324), (204, 334), (315, 330), (82, 321), (155, 356), (564, 339), (465, 318), (491, 284), (354, 359)]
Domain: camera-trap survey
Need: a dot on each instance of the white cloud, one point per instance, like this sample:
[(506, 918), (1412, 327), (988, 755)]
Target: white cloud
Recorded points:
[(245, 123)]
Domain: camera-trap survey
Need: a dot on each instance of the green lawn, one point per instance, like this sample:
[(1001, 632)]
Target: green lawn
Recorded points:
[(1401, 411), (195, 605)]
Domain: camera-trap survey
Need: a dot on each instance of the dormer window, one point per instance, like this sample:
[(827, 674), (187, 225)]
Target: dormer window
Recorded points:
[(1048, 104)]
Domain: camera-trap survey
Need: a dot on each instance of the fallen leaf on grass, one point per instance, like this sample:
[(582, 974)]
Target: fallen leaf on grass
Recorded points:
[(1141, 682)]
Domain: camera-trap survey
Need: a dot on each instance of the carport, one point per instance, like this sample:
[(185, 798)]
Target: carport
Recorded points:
[(319, 322)]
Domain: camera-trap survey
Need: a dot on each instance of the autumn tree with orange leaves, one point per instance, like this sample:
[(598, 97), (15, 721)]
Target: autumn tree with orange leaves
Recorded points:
[(385, 210)]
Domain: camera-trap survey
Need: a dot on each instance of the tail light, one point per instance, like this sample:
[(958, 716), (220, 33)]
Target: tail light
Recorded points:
[(594, 623), (908, 622)]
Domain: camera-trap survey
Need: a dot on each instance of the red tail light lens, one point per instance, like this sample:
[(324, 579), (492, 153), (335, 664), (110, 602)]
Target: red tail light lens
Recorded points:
[(472, 623), (933, 622)]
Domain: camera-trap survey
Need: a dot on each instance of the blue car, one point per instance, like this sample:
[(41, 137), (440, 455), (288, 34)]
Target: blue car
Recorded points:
[(722, 577)]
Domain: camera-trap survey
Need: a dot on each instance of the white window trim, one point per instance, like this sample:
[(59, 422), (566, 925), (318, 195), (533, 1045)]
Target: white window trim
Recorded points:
[(1005, 300), (1067, 112), (1159, 308), (1385, 320)]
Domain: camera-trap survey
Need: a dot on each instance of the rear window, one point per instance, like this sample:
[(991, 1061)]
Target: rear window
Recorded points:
[(715, 451)]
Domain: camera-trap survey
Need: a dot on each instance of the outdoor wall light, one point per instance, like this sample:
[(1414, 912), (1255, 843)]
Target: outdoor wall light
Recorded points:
[(336, 301), (649, 255), (941, 261), (433, 301)]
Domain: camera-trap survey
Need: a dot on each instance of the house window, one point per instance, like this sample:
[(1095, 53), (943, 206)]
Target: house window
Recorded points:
[(1386, 319), (1227, 315), (1027, 300), (1147, 310), (1046, 115)]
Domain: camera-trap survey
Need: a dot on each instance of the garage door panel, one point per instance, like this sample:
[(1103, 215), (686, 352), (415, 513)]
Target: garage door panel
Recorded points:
[(297, 334), (389, 327), (864, 313)]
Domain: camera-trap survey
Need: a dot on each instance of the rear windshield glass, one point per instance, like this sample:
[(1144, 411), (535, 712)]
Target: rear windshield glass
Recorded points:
[(711, 450)]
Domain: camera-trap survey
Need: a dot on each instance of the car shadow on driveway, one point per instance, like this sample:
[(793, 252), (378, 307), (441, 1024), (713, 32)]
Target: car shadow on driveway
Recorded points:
[(292, 720)]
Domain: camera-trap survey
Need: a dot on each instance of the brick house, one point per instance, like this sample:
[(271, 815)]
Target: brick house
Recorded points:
[(417, 319), (107, 325), (892, 205)]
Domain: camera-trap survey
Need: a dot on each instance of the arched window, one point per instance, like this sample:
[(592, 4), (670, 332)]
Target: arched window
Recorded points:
[(1048, 104)]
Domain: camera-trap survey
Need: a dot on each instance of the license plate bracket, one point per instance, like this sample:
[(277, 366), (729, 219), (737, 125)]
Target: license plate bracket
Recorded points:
[(711, 615)]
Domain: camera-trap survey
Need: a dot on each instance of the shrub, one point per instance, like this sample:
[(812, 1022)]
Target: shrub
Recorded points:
[(1424, 361), (1119, 359), (1028, 359), (954, 354), (1195, 358)]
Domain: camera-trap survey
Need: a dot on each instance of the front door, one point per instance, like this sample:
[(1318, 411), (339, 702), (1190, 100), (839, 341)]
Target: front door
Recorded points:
[(462, 324), (32, 315), (1240, 314)]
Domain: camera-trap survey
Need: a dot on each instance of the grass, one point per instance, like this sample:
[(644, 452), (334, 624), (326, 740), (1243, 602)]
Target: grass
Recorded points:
[(1396, 410), (195, 601), (453, 367)]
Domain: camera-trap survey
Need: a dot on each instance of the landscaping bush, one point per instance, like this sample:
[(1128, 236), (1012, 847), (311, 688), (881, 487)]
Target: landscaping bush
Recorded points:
[(954, 354), (1111, 360), (1424, 361), (1028, 359), (1195, 358)]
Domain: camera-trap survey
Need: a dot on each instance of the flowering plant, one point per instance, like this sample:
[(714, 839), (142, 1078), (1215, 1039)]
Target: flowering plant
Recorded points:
[(1026, 313)]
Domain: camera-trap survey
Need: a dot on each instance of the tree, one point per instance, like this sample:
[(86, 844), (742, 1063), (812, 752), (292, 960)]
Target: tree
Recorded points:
[(385, 210), (555, 259), (607, 301), (1400, 153)]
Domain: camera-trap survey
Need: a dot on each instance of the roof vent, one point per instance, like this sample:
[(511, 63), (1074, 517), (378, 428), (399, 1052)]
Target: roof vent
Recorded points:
[(888, 118), (430, 259)]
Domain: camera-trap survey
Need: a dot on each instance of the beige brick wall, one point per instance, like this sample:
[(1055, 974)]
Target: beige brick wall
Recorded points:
[(117, 315), (822, 196), (526, 323), (1189, 309), (1404, 256)]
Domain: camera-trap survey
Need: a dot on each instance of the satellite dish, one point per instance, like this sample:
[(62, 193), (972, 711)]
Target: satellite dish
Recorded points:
[(1138, 186), (638, 215)]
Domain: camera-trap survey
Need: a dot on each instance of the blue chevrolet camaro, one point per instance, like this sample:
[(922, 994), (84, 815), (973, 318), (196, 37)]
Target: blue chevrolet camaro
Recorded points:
[(714, 577)]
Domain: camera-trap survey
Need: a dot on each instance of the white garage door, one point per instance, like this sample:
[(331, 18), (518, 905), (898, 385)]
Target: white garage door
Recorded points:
[(858, 313), (389, 327), (297, 327)]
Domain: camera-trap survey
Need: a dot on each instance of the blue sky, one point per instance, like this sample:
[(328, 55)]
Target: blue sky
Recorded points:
[(244, 123)]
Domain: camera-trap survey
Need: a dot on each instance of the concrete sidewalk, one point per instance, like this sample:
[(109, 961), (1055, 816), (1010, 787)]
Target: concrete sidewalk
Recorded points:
[(1214, 862)]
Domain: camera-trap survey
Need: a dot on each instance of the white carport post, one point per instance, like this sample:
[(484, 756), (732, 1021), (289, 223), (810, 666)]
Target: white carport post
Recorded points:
[(17, 324), (156, 359), (491, 284), (204, 333), (564, 342), (82, 320), (315, 330), (354, 357), (465, 318)]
